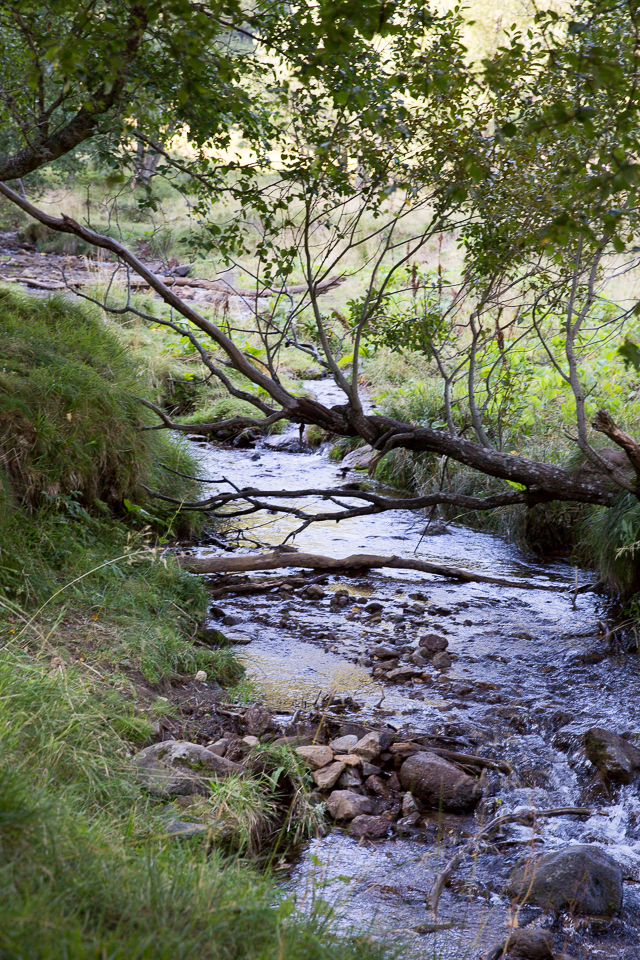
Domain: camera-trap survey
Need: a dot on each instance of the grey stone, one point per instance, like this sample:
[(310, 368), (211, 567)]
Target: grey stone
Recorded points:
[(344, 744), (345, 805), (176, 768), (257, 720), (314, 592), (441, 661), (183, 828), (219, 747), (367, 826), (373, 607), (384, 651), (436, 782), (409, 805), (402, 673), (580, 878), (370, 769), (614, 757), (231, 621), (350, 778)]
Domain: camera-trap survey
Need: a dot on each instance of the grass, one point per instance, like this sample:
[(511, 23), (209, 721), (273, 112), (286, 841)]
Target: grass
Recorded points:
[(97, 624)]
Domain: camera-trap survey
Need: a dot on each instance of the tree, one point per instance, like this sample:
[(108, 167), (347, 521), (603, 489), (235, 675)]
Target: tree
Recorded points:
[(387, 137)]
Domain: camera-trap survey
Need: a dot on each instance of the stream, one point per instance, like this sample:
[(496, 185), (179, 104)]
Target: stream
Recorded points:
[(529, 676)]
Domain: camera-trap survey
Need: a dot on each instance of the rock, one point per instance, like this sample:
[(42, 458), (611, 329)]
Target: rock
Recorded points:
[(402, 674), (257, 720), (441, 661), (212, 636), (388, 665), (219, 747), (373, 827), (614, 757), (184, 828), (432, 643), (314, 592), (316, 756), (529, 943), (373, 607), (231, 621), (384, 651), (344, 744), (378, 786), (350, 778), (417, 658), (351, 759), (200, 676), (251, 741), (240, 639), (370, 769), (580, 878), (372, 745), (405, 747), (328, 776), (409, 806), (359, 459), (436, 782), (345, 805), (176, 768)]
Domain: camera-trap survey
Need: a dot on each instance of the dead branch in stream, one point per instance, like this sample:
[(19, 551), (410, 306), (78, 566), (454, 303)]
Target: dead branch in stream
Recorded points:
[(357, 561), (526, 817)]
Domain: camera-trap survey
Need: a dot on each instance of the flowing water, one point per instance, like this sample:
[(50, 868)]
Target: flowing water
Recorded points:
[(520, 689)]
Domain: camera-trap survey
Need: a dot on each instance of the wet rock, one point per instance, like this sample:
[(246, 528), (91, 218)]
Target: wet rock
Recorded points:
[(580, 878), (314, 592), (316, 756), (378, 786), (344, 744), (328, 776), (388, 665), (230, 620), (441, 661), (241, 639), (437, 611), (373, 607), (432, 643), (372, 745), (417, 658), (436, 782), (526, 943), (366, 826), (211, 636), (612, 755), (384, 651), (176, 768), (257, 720), (370, 769), (345, 805), (401, 674)]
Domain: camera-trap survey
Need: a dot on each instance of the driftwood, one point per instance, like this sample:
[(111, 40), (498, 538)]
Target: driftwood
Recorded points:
[(357, 561)]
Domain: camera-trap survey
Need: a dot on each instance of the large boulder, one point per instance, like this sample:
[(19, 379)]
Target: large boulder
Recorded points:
[(438, 783), (615, 758), (581, 879), (177, 768)]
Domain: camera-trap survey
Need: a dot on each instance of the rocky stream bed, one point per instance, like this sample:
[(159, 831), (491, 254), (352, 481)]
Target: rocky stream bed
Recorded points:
[(444, 725)]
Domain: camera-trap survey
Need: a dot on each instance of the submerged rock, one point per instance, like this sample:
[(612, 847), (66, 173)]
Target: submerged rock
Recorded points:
[(614, 757), (526, 943), (436, 782), (346, 804), (581, 878), (176, 768), (432, 643)]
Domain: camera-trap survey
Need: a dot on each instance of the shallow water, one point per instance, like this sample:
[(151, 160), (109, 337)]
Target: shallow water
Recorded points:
[(518, 691)]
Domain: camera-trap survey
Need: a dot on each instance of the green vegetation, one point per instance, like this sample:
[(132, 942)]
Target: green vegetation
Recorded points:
[(96, 623)]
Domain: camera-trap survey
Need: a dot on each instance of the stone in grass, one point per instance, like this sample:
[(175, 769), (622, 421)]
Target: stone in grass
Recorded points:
[(438, 783), (367, 826), (614, 757), (328, 776), (176, 768), (183, 828), (346, 804), (580, 878), (316, 756)]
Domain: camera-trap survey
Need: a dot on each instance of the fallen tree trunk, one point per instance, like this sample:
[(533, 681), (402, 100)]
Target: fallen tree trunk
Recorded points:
[(357, 561)]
